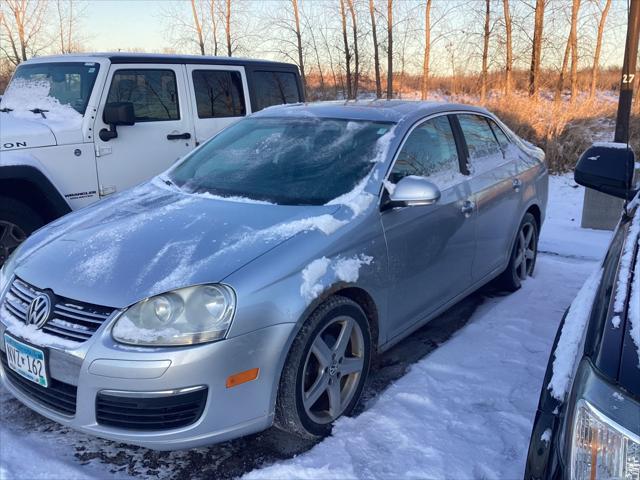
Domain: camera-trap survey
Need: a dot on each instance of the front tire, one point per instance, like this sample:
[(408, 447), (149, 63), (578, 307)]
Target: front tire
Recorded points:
[(17, 222), (523, 255), (325, 370)]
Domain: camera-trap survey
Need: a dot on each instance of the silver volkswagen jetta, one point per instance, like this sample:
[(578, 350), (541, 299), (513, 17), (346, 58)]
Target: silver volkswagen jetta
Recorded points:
[(252, 283)]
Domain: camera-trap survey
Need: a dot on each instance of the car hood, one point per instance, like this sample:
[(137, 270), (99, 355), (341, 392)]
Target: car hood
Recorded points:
[(151, 239), (17, 133)]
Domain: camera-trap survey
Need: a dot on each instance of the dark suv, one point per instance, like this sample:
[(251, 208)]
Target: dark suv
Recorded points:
[(588, 421)]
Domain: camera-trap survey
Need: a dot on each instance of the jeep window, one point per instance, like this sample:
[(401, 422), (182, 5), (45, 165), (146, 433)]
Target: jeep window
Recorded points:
[(69, 83), (288, 161), (275, 88), (218, 93), (154, 93)]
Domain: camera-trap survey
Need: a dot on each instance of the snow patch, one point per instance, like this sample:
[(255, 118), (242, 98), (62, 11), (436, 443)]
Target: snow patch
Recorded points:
[(615, 321), (24, 95), (624, 269), (622, 146), (546, 436), (316, 276), (617, 396), (32, 334), (573, 331), (634, 303)]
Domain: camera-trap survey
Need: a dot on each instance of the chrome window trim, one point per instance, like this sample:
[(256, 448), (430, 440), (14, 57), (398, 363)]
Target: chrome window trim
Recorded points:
[(152, 394)]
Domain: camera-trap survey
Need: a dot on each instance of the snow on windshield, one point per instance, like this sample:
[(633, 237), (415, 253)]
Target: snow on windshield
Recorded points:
[(22, 96), (573, 330), (634, 301)]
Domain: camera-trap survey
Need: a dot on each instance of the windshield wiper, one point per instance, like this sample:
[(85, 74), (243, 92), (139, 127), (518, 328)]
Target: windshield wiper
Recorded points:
[(6, 110), (40, 111)]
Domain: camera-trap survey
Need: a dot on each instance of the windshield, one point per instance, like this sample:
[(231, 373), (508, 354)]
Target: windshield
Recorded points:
[(288, 161), (51, 86)]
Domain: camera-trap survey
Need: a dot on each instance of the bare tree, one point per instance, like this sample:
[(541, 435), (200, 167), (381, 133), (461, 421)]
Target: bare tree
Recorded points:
[(389, 49), (427, 51), (376, 56), (574, 49), (485, 51), (296, 16), (22, 24), (596, 56), (354, 26), (227, 27), (347, 52), (536, 51), (214, 25), (198, 26), (508, 78)]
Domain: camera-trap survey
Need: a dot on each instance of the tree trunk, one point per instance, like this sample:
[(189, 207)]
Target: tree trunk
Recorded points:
[(347, 53), (574, 49), (61, 23), (214, 26), (198, 25), (390, 49), (427, 51), (596, 56), (296, 15), (563, 70), (354, 25), (508, 80), (227, 27), (485, 51), (536, 51), (376, 57)]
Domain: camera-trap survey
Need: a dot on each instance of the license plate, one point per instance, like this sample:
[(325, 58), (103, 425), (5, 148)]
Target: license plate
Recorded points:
[(27, 361)]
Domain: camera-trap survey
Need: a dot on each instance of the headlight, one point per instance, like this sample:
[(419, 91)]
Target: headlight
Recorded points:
[(602, 449), (187, 316), (6, 272)]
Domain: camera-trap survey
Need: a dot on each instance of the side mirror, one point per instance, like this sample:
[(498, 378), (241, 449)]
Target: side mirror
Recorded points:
[(116, 113), (607, 168), (414, 191)]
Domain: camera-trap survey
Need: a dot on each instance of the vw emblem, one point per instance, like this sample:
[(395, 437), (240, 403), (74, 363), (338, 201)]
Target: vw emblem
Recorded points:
[(39, 310)]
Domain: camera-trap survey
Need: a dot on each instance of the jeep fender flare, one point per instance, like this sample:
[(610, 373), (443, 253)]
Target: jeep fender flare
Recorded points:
[(31, 185)]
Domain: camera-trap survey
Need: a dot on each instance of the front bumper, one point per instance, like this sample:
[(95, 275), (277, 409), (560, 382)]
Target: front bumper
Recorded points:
[(100, 365)]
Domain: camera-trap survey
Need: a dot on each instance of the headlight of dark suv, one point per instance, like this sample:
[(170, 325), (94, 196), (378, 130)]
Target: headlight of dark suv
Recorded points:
[(187, 316), (602, 449)]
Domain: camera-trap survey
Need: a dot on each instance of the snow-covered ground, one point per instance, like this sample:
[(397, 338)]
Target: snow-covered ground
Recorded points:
[(463, 409)]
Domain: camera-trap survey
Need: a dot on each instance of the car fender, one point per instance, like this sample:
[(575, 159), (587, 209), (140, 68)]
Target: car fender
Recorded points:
[(27, 169)]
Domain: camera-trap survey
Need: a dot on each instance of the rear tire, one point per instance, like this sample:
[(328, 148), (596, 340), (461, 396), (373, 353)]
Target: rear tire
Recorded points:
[(325, 370), (17, 221), (523, 255)]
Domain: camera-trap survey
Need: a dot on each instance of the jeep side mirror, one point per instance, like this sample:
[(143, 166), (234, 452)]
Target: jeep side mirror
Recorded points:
[(607, 168), (114, 114)]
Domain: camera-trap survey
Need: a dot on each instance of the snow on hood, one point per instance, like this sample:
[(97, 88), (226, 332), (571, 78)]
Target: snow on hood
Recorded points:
[(150, 239), (20, 98)]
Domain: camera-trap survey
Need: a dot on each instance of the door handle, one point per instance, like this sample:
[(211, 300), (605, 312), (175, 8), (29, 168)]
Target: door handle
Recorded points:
[(179, 136), (467, 208), (516, 184)]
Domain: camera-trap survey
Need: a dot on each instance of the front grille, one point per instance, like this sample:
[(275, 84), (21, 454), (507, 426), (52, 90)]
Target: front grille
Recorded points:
[(150, 413), (58, 396), (71, 320)]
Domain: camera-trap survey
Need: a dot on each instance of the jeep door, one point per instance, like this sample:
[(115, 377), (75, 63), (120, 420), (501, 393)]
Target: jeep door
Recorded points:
[(220, 97), (431, 248), (163, 129)]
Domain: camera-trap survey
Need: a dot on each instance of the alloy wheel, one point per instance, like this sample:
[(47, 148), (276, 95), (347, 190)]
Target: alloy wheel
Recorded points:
[(11, 235), (526, 251), (332, 369)]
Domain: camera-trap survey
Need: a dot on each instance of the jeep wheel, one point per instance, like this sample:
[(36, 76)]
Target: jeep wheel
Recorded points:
[(17, 222)]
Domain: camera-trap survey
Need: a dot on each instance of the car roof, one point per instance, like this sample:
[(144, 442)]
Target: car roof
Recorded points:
[(372, 110), (125, 57)]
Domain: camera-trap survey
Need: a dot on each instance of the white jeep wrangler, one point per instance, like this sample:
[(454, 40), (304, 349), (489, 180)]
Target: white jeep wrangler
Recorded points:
[(76, 128)]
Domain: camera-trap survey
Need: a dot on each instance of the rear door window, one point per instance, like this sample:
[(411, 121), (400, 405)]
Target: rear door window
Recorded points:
[(429, 151), (275, 88), (484, 150), (154, 93), (218, 93)]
